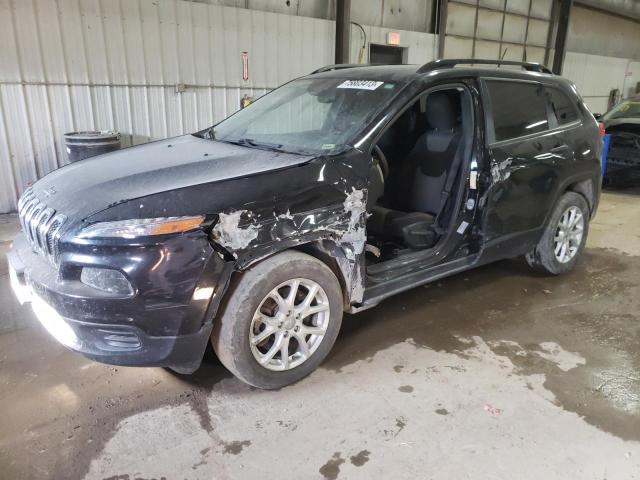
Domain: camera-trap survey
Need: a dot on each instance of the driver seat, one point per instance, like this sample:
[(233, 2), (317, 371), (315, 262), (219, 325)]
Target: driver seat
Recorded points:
[(425, 173)]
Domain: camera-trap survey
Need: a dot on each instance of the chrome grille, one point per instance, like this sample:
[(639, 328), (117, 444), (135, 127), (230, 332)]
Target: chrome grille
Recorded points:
[(40, 224)]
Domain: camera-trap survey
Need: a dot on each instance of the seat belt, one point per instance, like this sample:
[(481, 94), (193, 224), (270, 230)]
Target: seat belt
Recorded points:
[(452, 173)]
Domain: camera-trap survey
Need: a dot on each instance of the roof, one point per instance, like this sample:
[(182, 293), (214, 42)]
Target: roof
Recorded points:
[(390, 73), (408, 73)]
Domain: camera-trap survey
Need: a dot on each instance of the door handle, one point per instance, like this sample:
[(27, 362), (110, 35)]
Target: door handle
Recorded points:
[(560, 148)]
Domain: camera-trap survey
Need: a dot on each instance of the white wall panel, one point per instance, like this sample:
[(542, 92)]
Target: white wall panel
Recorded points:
[(537, 32), (461, 20), (458, 47), (113, 64), (421, 46), (515, 28), (541, 8), (535, 54), (632, 79), (487, 49), (496, 4), (412, 15), (512, 51), (518, 6), (489, 25), (70, 65), (511, 23), (596, 32), (595, 76)]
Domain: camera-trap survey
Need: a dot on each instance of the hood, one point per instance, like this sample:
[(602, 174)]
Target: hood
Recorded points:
[(89, 186), (622, 121)]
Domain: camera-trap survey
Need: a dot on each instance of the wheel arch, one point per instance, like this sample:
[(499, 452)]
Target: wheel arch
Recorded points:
[(589, 190), (585, 185), (338, 258), (229, 336)]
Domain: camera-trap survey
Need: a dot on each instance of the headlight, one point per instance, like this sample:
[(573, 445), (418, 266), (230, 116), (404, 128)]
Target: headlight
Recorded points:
[(141, 227)]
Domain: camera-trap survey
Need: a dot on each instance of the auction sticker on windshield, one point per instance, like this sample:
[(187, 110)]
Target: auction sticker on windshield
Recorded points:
[(360, 84)]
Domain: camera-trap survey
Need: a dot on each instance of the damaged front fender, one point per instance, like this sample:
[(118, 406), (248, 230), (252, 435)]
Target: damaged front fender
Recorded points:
[(338, 230), (259, 215)]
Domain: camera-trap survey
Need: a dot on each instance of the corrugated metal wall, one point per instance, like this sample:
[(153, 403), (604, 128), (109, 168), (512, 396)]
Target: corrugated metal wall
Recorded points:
[(71, 65), (68, 65), (414, 15)]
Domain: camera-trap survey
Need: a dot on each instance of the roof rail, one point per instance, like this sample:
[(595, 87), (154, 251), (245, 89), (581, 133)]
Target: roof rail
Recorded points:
[(338, 66), (452, 62)]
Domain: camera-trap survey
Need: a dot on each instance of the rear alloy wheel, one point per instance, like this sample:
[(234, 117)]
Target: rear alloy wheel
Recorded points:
[(564, 238), (569, 235), (279, 320)]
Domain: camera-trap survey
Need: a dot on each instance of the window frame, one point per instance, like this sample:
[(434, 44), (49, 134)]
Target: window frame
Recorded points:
[(490, 133), (554, 126), (556, 123), (407, 103)]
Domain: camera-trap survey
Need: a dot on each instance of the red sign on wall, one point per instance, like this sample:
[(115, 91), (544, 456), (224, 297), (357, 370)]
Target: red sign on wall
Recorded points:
[(245, 66), (393, 38)]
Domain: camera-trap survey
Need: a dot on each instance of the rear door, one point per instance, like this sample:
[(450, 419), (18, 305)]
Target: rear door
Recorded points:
[(523, 173), (566, 134)]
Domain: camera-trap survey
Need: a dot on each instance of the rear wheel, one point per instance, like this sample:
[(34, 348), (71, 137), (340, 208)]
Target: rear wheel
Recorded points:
[(564, 238), (279, 320)]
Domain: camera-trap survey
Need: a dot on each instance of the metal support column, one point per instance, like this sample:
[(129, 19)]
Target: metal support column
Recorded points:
[(442, 25), (343, 19), (561, 35), (549, 42)]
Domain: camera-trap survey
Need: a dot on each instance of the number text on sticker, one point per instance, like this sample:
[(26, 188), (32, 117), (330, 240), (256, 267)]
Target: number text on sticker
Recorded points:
[(360, 84)]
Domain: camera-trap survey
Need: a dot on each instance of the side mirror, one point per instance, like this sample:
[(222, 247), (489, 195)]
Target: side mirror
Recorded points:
[(597, 116)]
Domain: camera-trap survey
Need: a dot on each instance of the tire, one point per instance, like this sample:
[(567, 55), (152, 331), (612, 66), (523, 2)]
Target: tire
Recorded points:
[(543, 257), (254, 289)]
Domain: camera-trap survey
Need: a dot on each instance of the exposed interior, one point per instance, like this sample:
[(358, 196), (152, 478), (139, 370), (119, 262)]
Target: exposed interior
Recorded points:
[(418, 159)]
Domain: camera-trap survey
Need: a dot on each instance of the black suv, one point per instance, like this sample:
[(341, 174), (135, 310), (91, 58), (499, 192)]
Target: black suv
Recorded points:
[(328, 195)]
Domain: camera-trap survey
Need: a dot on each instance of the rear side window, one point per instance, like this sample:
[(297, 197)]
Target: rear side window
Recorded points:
[(518, 108), (562, 106)]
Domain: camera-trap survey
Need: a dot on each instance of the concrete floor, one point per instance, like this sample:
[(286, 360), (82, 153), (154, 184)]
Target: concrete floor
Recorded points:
[(496, 373)]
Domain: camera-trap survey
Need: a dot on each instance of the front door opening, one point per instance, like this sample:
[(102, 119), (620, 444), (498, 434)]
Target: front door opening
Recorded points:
[(420, 156)]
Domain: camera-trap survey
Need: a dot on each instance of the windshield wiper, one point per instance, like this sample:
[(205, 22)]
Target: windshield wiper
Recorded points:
[(249, 142), (207, 134), (272, 147)]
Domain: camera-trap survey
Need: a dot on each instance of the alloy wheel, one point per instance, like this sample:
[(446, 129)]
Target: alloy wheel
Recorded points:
[(569, 234), (289, 324)]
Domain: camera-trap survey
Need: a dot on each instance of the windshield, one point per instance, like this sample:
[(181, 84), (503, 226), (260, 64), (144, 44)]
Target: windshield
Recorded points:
[(308, 116), (626, 109)]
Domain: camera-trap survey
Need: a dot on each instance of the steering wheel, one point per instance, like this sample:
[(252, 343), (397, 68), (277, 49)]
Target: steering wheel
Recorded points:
[(382, 161)]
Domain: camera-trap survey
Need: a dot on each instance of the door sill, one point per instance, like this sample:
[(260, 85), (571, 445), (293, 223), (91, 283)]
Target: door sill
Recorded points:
[(377, 292)]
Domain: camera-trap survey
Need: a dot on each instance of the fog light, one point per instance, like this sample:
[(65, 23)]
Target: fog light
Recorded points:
[(106, 279), (54, 323)]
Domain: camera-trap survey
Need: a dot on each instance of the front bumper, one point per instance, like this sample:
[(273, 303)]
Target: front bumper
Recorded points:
[(138, 331)]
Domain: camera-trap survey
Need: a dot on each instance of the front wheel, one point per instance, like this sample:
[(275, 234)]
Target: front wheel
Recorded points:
[(279, 320), (564, 238)]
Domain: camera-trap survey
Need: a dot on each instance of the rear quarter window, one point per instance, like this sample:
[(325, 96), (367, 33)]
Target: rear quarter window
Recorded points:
[(562, 106), (517, 108)]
